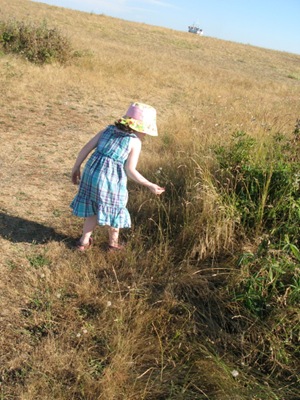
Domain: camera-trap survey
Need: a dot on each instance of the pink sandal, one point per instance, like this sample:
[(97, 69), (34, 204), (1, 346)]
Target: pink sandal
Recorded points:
[(84, 247)]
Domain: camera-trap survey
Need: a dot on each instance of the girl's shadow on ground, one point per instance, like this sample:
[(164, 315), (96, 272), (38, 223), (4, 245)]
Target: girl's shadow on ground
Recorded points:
[(19, 230)]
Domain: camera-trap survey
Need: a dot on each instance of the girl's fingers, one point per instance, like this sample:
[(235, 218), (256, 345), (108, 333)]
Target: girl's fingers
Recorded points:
[(75, 177), (159, 190)]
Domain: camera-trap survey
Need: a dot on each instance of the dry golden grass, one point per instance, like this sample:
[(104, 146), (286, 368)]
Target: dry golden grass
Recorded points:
[(98, 326)]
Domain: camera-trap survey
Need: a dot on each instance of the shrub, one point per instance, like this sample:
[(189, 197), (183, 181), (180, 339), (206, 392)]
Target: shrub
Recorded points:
[(37, 43), (269, 279), (265, 189)]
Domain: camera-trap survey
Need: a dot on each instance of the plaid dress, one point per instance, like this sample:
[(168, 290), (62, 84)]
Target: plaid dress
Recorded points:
[(103, 185)]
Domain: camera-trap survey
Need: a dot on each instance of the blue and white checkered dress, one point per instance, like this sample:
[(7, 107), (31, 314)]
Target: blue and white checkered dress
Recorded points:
[(103, 186)]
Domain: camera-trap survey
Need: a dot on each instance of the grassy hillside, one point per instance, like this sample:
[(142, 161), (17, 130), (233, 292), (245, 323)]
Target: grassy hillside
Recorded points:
[(204, 301)]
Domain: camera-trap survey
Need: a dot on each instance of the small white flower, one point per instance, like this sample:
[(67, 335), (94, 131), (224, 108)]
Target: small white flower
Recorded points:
[(58, 295), (109, 304), (84, 331), (234, 373), (78, 334), (42, 275)]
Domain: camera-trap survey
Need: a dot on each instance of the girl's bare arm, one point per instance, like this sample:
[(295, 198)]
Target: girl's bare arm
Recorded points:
[(131, 171)]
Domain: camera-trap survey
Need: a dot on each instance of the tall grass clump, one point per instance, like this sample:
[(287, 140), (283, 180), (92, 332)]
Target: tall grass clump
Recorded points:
[(37, 43), (192, 220)]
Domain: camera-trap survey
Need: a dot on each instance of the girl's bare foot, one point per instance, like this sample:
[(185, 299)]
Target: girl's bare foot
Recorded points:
[(84, 247)]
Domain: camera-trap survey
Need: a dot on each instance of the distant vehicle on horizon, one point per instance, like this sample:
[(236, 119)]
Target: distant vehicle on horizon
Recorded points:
[(195, 29)]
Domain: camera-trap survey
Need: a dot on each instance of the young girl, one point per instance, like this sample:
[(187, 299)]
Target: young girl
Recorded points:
[(102, 195)]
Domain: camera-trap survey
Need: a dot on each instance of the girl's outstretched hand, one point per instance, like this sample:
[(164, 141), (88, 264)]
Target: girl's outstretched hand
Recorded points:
[(156, 189), (76, 175)]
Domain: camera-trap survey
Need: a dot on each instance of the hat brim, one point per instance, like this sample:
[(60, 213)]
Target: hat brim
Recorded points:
[(139, 126)]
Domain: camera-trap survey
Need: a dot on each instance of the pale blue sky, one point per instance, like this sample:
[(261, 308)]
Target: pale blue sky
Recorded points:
[(272, 24)]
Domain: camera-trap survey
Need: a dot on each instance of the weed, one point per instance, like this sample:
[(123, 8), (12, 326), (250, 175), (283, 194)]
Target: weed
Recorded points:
[(12, 265), (268, 280), (294, 76), (57, 213), (38, 260)]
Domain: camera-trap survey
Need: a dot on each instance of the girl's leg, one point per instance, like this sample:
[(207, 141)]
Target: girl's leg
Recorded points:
[(113, 234), (88, 227)]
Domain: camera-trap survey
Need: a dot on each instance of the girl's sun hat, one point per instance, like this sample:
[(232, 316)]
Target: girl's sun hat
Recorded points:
[(141, 118)]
